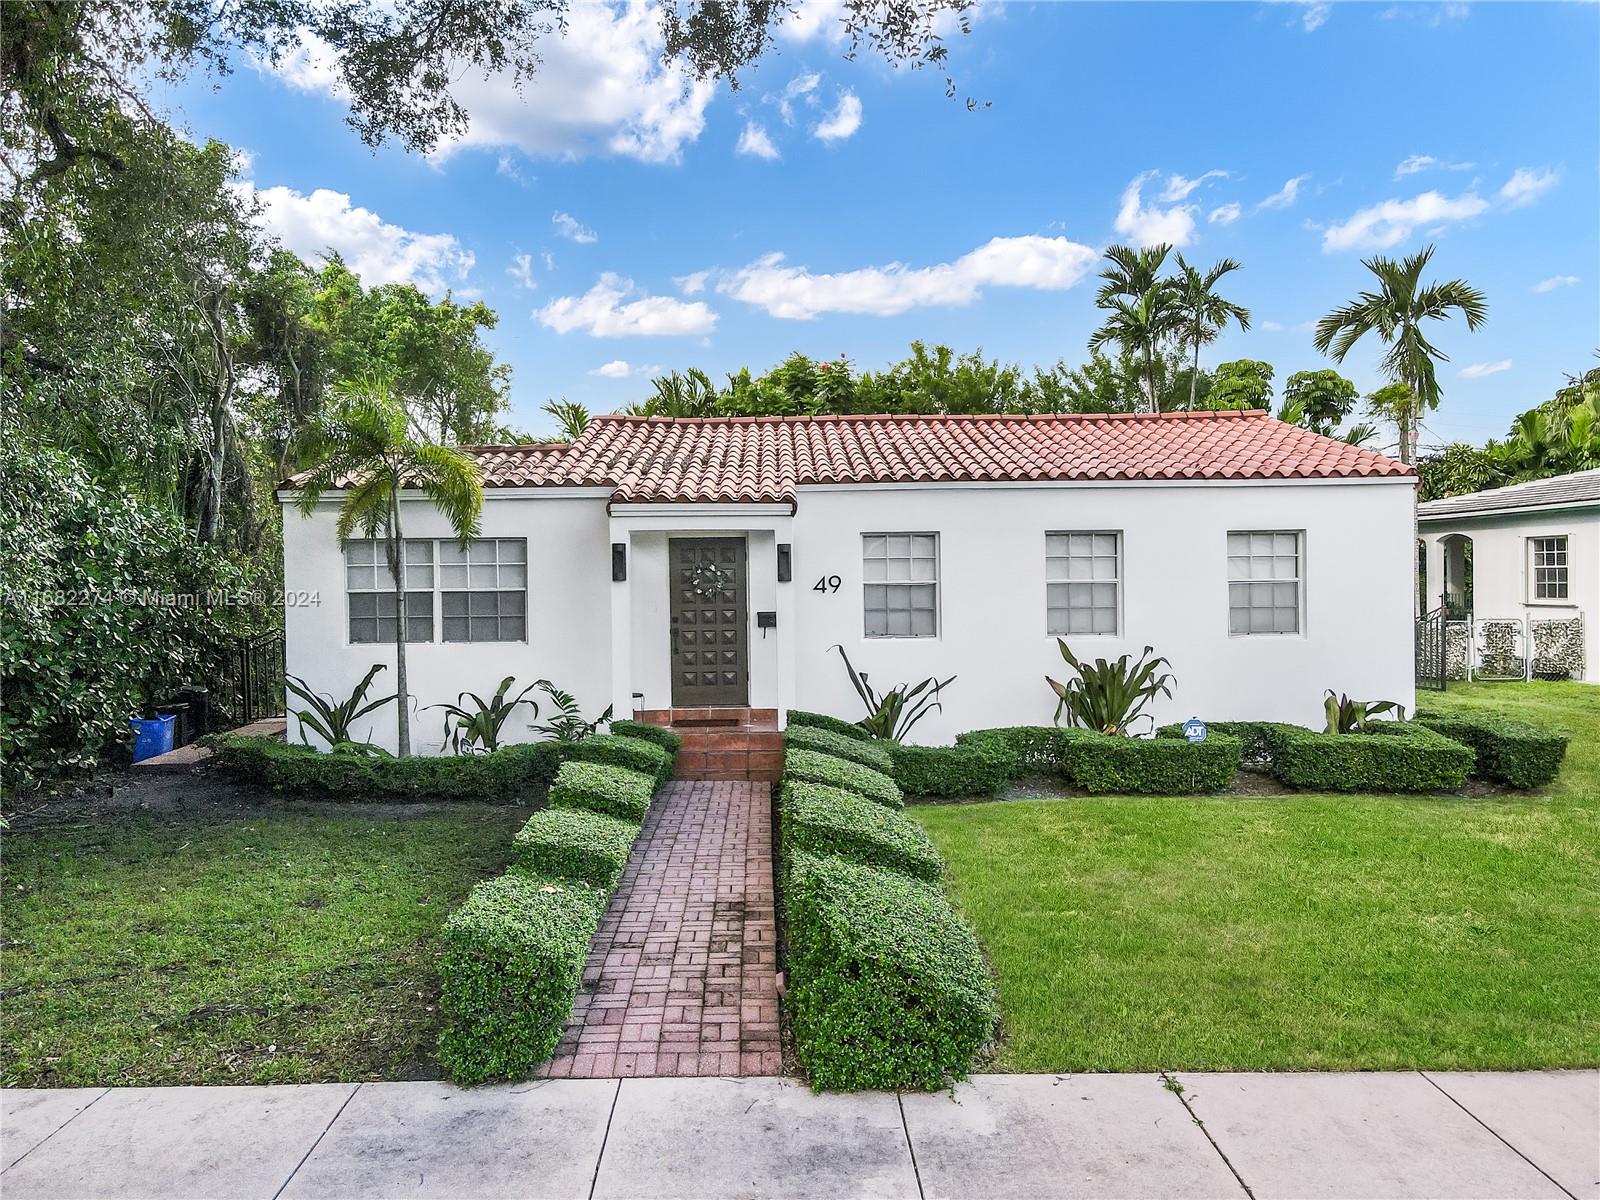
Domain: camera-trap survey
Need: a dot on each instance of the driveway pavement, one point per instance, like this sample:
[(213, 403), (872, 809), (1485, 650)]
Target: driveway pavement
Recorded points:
[(1400, 1134)]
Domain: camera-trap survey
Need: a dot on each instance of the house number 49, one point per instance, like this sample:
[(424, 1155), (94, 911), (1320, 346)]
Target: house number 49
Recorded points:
[(828, 583)]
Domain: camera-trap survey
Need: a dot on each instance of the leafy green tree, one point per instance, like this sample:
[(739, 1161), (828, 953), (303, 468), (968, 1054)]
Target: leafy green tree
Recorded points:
[(1243, 383), (1203, 313), (1394, 404), (364, 445), (1319, 400), (1397, 312)]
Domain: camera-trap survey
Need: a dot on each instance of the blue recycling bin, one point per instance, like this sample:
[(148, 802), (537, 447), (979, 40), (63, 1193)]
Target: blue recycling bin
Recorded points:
[(152, 737)]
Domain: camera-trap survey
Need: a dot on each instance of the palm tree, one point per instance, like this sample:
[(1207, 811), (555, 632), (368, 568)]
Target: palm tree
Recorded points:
[(691, 394), (363, 446), (1204, 314), (1142, 309), (571, 415), (1395, 312)]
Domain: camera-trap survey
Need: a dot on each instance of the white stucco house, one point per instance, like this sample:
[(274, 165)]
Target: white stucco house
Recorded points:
[(659, 564), (1519, 566)]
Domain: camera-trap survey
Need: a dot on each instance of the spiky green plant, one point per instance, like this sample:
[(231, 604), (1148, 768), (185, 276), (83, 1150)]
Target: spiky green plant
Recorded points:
[(331, 719), (569, 724), (1354, 716), (892, 715), (1109, 695), (467, 730)]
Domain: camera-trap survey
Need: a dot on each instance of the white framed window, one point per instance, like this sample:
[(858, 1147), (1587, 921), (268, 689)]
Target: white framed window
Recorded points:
[(1083, 582), (1547, 568), (1264, 594), (900, 591), (483, 590), (370, 590)]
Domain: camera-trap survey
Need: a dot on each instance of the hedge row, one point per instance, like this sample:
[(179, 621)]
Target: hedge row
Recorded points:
[(972, 769), (888, 987), (1507, 751), (514, 953), (1396, 757), (838, 725), (665, 738), (637, 754), (872, 754), (511, 775), (1101, 763)]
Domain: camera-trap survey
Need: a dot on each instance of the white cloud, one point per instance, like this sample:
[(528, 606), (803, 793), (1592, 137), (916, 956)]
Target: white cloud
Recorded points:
[(521, 269), (815, 20), (1479, 370), (606, 310), (1151, 226), (1526, 185), (1315, 16), (574, 230), (1415, 164), (795, 293), (842, 122), (1224, 214), (1271, 326), (621, 369), (1391, 222), (693, 283), (1178, 188), (1554, 282), (1286, 195), (801, 87), (374, 249), (754, 141)]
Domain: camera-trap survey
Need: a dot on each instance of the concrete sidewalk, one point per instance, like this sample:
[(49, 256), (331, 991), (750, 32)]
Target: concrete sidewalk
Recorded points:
[(1399, 1134)]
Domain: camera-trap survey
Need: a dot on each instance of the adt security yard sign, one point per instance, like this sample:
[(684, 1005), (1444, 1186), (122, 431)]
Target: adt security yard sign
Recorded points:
[(1194, 729)]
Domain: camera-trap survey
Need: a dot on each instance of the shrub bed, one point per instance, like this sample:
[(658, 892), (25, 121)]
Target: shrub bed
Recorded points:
[(1030, 747), (1507, 751), (615, 750), (1396, 757), (512, 774), (599, 787), (888, 987), (831, 724), (978, 768), (1256, 735), (513, 958), (665, 738), (825, 741), (1103, 764), (576, 844), (825, 820), (813, 767)]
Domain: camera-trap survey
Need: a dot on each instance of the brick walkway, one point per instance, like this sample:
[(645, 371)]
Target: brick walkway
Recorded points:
[(681, 978)]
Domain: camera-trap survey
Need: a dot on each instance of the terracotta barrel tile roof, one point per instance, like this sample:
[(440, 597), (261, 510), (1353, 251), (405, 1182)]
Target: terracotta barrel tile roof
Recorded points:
[(765, 459)]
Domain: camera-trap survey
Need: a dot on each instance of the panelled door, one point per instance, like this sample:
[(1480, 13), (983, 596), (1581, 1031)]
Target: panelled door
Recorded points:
[(710, 638)]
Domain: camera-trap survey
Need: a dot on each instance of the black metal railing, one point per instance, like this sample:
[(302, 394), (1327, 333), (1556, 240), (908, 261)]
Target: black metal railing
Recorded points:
[(1432, 649), (251, 686)]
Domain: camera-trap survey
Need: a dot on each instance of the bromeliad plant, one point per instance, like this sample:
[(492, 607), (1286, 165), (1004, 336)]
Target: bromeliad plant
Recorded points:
[(891, 715), (331, 719), (1109, 696), (568, 724), (1355, 716), (470, 730)]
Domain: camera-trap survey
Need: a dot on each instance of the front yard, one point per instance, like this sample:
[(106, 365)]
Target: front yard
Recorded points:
[(285, 946), (1296, 931)]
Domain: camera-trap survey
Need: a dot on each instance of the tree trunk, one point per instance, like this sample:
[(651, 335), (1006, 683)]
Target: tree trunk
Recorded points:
[(1194, 374), (396, 571), (209, 526), (1150, 378)]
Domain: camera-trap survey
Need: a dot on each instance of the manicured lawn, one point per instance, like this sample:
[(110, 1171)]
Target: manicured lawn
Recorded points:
[(1300, 931), (279, 948)]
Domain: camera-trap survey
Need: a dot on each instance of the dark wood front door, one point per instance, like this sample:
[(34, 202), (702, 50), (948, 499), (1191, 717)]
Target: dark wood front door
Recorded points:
[(710, 638)]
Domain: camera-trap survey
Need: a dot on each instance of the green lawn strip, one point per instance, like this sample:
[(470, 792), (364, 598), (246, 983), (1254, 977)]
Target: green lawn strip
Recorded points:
[(286, 948), (1302, 931)]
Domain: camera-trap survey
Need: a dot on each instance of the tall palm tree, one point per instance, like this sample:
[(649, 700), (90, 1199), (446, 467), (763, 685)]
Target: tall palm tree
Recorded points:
[(1204, 314), (1396, 312), (1131, 272), (1141, 307), (363, 446)]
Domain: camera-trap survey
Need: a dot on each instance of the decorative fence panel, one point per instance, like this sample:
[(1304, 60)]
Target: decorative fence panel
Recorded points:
[(1430, 651), (1558, 648), (251, 685), (1500, 648)]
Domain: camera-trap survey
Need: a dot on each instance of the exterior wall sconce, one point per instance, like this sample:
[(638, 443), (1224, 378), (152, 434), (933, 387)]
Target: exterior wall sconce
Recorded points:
[(619, 562), (785, 563)]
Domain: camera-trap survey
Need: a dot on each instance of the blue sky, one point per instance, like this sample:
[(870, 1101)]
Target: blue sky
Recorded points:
[(618, 213)]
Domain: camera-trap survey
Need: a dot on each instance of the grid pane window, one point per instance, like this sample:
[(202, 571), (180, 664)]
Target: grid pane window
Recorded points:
[(371, 590), (1549, 562), (1263, 582), (484, 590), (901, 584), (1082, 577)]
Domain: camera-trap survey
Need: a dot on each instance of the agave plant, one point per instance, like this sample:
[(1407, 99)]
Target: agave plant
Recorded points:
[(330, 719), (568, 724), (1109, 696), (478, 728), (1354, 716), (892, 714)]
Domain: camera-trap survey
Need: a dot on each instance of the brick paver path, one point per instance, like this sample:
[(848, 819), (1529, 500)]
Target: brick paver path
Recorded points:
[(681, 978)]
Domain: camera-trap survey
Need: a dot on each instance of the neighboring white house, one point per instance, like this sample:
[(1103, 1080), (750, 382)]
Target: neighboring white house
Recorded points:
[(1523, 563), (659, 563)]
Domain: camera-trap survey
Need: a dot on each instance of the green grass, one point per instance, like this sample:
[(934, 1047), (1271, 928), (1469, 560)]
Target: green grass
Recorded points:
[(285, 948), (1300, 931)]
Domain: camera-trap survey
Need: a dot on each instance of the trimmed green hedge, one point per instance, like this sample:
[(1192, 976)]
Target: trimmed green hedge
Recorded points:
[(1511, 752), (665, 738), (510, 775), (979, 768), (601, 788), (825, 820), (1101, 763), (512, 961), (1396, 757), (887, 985), (812, 767), (1256, 735), (615, 750), (1030, 747), (576, 844), (826, 741), (832, 724)]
